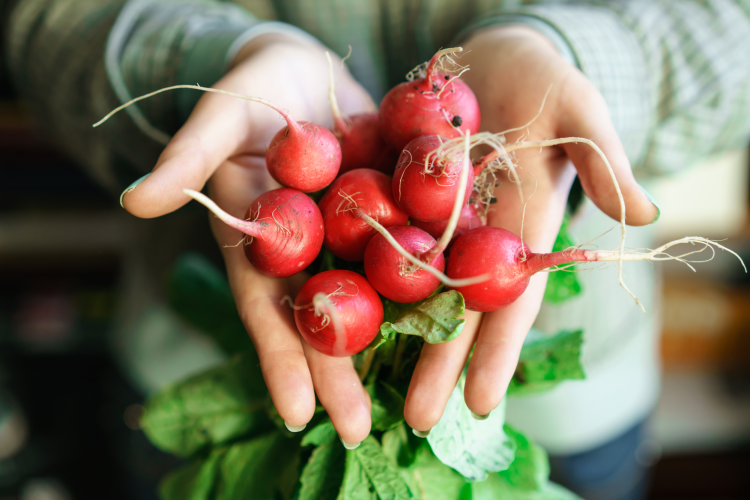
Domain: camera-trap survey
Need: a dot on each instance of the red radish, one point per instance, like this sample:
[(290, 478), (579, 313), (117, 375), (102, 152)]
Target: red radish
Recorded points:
[(434, 104), (338, 312), (362, 144), (511, 264), (346, 234), (469, 219), (392, 275), (425, 184), (285, 228), (404, 263), (302, 155)]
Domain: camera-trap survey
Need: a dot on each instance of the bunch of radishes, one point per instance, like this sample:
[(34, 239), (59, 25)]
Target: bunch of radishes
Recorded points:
[(399, 227)]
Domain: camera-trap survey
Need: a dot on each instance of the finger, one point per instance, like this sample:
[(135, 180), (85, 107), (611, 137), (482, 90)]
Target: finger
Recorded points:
[(270, 324), (501, 335), (589, 118), (341, 394), (436, 374), (217, 128), (498, 347)]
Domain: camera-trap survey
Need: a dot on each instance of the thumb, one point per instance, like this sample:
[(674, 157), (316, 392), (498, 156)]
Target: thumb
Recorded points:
[(214, 131), (589, 118)]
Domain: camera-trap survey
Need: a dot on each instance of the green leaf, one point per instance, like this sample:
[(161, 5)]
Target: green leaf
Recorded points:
[(211, 408), (356, 484), (194, 481), (387, 406), (497, 488), (322, 433), (433, 480), (472, 447), (397, 445), (436, 319), (562, 285), (546, 361), (262, 468), (322, 476), (530, 468), (381, 471), (370, 474), (199, 292)]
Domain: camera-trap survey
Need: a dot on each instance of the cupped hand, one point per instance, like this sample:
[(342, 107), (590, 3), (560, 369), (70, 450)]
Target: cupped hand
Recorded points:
[(224, 143), (511, 70)]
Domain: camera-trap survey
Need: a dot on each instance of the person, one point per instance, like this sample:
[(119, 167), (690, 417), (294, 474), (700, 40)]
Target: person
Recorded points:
[(655, 84)]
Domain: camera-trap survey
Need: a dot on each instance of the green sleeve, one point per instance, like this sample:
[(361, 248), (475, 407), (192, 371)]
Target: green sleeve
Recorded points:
[(675, 74), (73, 61)]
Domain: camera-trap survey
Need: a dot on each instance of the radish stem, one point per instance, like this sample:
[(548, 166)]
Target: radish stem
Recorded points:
[(250, 228), (445, 239)]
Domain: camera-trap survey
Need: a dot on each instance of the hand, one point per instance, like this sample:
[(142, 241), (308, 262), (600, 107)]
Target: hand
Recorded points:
[(225, 140), (511, 69)]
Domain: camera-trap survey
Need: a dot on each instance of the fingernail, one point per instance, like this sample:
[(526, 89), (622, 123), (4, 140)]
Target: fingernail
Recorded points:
[(349, 446), (132, 187), (295, 428), (421, 434), (479, 417), (651, 199)]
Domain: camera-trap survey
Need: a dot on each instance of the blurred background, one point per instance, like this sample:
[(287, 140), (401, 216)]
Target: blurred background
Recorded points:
[(72, 385)]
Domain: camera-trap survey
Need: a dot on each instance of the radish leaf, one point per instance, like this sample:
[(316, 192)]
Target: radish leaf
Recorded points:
[(387, 406), (472, 447), (530, 467), (262, 468), (546, 361), (436, 319), (320, 434), (322, 475), (211, 408), (195, 481), (199, 293)]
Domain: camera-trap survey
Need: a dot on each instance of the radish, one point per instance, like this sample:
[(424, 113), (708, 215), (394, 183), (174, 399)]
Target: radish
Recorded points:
[(391, 275), (470, 219), (338, 312), (303, 155), (434, 104), (404, 263), (511, 264), (285, 228), (424, 184), (347, 235), (362, 144)]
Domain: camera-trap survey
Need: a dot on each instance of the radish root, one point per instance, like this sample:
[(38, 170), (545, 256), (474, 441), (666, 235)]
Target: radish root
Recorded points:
[(283, 112), (447, 235)]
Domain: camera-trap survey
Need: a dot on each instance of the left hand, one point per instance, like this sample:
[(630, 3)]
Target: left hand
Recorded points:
[(511, 69)]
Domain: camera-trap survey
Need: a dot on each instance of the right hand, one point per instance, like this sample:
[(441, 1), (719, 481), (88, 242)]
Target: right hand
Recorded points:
[(224, 143)]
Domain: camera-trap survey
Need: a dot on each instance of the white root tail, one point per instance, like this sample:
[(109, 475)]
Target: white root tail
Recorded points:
[(447, 235), (271, 105), (660, 254), (332, 89)]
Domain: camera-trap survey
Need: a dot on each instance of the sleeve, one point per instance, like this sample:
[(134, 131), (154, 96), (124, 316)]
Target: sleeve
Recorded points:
[(675, 74), (73, 61)]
